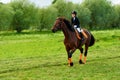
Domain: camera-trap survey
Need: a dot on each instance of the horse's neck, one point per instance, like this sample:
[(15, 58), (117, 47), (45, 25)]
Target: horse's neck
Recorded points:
[(67, 33)]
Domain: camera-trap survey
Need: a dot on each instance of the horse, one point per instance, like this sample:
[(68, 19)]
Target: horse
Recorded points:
[(71, 40)]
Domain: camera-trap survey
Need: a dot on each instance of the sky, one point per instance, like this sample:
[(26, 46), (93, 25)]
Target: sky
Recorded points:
[(44, 3)]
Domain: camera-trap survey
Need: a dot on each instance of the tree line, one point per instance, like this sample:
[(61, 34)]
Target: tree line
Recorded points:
[(23, 15)]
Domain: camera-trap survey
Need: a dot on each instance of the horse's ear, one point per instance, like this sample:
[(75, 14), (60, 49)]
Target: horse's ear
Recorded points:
[(60, 18), (57, 18), (63, 17)]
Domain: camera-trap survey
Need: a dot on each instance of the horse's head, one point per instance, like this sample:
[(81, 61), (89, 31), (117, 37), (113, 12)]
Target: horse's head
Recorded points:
[(57, 25)]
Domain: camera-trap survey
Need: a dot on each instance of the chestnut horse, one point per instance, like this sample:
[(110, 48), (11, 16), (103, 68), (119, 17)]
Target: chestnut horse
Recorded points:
[(71, 41)]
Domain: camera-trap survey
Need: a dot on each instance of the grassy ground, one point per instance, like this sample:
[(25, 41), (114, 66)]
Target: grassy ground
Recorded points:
[(42, 56)]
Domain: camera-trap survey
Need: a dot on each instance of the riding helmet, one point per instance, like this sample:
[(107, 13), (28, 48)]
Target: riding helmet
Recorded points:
[(74, 12)]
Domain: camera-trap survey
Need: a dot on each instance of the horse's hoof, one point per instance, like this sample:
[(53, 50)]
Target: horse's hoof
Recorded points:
[(81, 62), (84, 62), (71, 64)]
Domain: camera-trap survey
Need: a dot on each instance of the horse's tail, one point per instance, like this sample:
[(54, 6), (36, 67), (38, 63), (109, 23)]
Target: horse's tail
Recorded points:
[(92, 41)]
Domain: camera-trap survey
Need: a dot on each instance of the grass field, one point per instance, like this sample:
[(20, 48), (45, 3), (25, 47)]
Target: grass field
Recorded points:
[(42, 56)]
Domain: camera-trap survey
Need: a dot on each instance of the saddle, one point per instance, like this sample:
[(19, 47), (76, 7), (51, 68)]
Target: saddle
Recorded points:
[(82, 34)]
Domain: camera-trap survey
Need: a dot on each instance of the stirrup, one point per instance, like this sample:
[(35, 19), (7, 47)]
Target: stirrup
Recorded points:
[(82, 39)]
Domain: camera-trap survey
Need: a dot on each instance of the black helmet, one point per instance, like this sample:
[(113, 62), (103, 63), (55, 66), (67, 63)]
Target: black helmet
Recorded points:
[(74, 12)]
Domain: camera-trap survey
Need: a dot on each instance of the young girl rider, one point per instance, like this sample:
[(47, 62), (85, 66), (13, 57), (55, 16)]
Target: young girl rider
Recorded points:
[(76, 24)]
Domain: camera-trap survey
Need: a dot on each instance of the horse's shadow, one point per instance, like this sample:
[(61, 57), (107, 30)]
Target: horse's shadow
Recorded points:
[(48, 64)]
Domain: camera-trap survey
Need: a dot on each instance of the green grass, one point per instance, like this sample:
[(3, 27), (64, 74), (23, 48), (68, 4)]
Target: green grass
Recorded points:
[(42, 56)]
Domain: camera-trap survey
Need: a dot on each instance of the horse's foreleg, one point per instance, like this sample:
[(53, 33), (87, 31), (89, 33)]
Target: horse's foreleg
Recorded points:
[(70, 52), (70, 59), (80, 60)]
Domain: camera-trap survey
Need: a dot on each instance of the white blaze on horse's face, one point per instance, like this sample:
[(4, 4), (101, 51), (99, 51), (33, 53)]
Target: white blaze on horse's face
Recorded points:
[(57, 25)]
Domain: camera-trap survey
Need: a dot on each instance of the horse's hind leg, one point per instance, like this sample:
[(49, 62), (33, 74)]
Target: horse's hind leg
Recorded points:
[(80, 60), (85, 54)]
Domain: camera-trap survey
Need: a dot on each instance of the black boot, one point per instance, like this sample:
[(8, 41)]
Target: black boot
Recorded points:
[(81, 35)]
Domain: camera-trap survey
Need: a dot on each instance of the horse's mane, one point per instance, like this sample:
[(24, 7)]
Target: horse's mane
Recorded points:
[(68, 24)]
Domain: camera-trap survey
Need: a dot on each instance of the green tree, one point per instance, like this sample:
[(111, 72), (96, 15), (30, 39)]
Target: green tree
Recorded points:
[(24, 15), (64, 8), (46, 17), (54, 1), (117, 21), (101, 13), (6, 15)]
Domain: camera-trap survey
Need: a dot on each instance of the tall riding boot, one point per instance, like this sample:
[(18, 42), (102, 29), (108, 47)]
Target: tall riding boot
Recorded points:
[(82, 38)]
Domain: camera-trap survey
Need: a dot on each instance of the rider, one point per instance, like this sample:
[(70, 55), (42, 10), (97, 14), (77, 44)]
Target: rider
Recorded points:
[(76, 24)]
